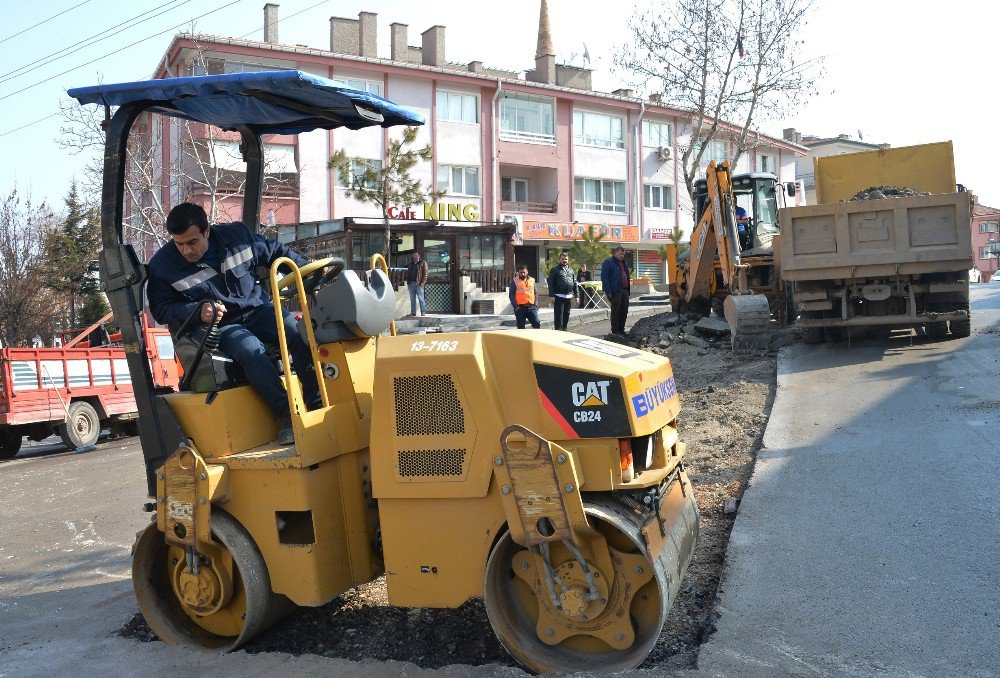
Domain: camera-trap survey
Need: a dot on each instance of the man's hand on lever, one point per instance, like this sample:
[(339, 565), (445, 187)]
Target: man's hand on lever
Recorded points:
[(206, 312)]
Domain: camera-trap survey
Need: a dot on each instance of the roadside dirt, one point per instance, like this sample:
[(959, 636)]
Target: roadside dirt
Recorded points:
[(726, 399)]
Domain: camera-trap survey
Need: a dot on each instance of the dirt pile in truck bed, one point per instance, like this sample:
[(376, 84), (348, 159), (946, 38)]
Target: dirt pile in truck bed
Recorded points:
[(882, 192), (725, 399)]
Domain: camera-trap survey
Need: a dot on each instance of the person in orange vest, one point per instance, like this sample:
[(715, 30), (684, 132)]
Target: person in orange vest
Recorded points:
[(522, 292)]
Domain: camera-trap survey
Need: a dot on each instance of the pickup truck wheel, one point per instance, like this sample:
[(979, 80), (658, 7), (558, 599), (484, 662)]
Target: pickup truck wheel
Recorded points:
[(10, 442), (82, 426)]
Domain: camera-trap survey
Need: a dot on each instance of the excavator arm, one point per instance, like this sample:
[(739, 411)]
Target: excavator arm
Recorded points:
[(693, 281)]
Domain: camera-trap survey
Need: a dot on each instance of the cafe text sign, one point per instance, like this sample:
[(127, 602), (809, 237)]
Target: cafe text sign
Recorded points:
[(442, 211)]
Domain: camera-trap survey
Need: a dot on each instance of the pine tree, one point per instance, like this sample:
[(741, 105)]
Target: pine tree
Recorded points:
[(388, 183), (589, 249), (71, 254)]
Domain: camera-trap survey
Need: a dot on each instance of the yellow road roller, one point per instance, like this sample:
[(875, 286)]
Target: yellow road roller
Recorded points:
[(540, 471)]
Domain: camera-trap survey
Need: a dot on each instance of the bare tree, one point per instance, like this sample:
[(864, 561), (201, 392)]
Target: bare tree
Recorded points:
[(26, 306), (733, 64), (202, 162), (388, 183)]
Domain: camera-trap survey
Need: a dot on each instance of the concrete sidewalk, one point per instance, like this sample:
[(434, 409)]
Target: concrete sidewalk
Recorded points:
[(868, 541), (468, 323)]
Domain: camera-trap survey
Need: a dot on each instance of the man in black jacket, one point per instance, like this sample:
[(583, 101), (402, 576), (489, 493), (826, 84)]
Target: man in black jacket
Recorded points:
[(562, 287)]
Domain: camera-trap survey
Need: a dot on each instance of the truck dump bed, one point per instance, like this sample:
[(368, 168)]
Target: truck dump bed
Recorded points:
[(877, 238)]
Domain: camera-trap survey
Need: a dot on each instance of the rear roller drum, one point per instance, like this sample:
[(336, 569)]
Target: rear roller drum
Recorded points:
[(614, 631), (222, 606)]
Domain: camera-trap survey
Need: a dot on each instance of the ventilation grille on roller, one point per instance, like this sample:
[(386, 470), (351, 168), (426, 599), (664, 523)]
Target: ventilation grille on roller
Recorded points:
[(427, 406), (431, 463)]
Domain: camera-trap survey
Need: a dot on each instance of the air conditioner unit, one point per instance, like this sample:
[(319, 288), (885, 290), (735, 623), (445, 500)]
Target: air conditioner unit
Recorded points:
[(663, 153)]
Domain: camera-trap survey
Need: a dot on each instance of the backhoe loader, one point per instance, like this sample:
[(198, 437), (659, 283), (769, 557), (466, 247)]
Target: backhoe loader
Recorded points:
[(541, 471), (730, 267)]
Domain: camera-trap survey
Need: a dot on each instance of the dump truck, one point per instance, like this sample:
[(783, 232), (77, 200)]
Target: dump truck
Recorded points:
[(76, 389), (885, 263), (542, 471)]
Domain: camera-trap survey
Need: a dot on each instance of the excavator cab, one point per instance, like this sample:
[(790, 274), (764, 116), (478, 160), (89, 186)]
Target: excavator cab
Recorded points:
[(542, 472), (756, 208)]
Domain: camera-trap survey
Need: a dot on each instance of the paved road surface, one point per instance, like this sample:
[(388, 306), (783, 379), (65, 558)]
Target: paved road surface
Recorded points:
[(892, 569), (868, 542)]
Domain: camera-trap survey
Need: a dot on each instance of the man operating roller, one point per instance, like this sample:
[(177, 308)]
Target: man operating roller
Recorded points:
[(204, 263)]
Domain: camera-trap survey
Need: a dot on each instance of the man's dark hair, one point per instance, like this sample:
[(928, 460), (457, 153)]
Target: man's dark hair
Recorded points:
[(184, 216), (522, 267), (619, 249)]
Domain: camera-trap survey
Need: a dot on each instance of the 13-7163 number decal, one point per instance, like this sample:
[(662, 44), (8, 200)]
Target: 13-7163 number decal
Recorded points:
[(432, 346)]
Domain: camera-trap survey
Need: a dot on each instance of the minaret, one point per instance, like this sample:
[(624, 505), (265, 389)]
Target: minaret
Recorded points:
[(545, 54), (544, 33)]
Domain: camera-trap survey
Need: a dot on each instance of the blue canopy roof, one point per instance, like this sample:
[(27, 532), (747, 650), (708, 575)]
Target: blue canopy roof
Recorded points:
[(271, 102)]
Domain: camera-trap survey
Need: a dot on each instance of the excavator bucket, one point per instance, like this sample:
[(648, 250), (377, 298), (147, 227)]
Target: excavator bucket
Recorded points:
[(749, 318)]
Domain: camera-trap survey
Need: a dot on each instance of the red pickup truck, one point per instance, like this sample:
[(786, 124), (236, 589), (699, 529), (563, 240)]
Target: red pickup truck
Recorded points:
[(74, 391)]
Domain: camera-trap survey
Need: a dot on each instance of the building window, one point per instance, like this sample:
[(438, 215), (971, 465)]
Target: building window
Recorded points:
[(989, 226), (527, 118), (767, 163), (515, 190), (358, 169), (457, 107), (480, 253), (600, 195), (656, 134), (984, 253), (658, 197), (360, 85), (715, 150), (456, 180), (595, 129)]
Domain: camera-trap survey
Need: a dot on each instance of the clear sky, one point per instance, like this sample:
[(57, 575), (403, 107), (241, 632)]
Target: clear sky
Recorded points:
[(901, 72)]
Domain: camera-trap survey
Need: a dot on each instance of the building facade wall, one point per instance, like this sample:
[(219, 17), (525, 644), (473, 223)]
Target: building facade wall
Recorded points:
[(550, 167)]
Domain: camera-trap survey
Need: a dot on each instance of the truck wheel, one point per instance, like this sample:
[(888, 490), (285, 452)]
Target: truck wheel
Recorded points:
[(10, 442), (82, 426), (937, 330), (961, 328)]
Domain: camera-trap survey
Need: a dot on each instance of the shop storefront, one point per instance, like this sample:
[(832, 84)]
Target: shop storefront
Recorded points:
[(541, 240), (484, 252)]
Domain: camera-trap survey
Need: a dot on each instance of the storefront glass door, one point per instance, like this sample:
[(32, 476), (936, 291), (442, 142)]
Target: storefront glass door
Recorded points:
[(439, 254)]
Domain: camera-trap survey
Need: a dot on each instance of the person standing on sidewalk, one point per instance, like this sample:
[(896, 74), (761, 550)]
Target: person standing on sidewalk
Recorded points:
[(582, 275), (615, 280), (417, 273), (562, 287), (523, 291)]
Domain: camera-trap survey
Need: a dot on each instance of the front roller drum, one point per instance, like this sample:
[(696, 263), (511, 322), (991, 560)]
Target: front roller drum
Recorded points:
[(749, 318), (613, 633), (228, 601)]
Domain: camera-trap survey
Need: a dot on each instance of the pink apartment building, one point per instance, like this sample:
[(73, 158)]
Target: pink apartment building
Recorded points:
[(540, 149), (986, 239)]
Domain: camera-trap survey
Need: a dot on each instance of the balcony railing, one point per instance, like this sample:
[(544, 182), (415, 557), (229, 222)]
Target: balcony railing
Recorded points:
[(528, 137), (524, 206)]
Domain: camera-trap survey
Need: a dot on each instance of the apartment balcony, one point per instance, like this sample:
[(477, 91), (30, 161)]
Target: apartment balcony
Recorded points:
[(528, 190)]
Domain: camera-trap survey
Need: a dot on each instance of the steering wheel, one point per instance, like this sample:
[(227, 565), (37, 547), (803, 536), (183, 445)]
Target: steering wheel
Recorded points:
[(313, 276)]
